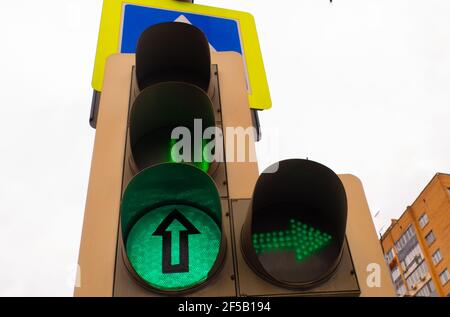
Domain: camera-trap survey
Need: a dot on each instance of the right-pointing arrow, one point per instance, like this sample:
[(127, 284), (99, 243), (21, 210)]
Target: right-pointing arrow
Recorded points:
[(301, 238)]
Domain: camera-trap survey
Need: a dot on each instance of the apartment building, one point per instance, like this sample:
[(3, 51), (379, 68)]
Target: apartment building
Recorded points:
[(417, 245)]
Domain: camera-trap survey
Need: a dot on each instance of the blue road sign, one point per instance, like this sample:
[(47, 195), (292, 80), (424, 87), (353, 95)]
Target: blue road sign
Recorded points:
[(223, 34)]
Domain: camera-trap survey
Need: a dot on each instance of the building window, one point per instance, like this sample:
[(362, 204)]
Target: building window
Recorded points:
[(395, 273), (437, 257), (430, 238), (414, 255), (401, 290), (444, 276), (412, 259), (417, 276), (427, 290), (390, 256), (423, 221), (448, 189), (408, 235)]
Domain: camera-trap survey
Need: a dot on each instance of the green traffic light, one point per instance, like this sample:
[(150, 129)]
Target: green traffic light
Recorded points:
[(302, 239), (171, 223), (145, 251)]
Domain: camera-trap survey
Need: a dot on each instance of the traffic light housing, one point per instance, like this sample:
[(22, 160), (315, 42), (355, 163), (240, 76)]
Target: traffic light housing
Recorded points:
[(171, 211), (134, 171), (294, 233)]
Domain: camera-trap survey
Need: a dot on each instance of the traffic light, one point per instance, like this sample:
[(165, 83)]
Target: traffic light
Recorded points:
[(171, 223), (171, 211), (294, 233), (163, 219)]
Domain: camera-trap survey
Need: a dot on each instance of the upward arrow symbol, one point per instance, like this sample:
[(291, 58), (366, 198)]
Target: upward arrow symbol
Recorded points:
[(166, 233)]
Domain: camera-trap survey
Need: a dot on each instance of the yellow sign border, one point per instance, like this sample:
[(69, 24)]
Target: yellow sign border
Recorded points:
[(110, 29)]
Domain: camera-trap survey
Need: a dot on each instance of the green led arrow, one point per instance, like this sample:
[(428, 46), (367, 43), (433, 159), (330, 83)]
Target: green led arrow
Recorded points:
[(301, 238)]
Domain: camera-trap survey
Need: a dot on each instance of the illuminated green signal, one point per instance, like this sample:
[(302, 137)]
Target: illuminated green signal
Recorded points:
[(145, 250), (171, 222), (301, 238)]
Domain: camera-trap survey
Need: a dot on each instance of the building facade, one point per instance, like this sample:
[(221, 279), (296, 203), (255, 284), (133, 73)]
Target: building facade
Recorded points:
[(417, 245)]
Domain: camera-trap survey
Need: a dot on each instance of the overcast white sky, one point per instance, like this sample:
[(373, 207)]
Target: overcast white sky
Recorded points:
[(362, 86)]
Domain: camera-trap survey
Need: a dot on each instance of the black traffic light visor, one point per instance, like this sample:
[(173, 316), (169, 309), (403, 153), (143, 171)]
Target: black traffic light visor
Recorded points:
[(173, 51), (169, 183), (157, 111)]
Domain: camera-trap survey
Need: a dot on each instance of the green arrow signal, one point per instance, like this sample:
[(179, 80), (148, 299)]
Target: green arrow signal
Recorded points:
[(304, 240), (175, 230), (185, 261)]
